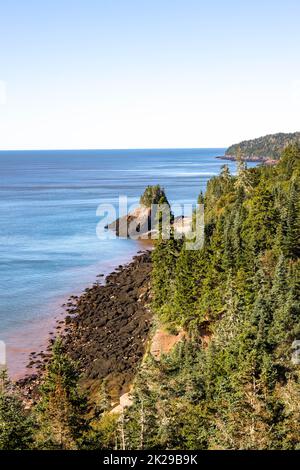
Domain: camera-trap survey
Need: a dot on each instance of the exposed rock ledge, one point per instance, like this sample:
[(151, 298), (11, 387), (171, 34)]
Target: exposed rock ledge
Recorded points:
[(161, 343), (137, 224)]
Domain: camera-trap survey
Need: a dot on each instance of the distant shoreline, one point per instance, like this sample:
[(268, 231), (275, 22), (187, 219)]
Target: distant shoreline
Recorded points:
[(232, 158), (265, 160)]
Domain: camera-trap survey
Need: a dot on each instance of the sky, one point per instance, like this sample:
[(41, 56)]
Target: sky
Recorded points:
[(147, 74)]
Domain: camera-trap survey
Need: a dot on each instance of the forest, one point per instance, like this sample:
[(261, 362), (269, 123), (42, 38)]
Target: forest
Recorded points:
[(264, 148)]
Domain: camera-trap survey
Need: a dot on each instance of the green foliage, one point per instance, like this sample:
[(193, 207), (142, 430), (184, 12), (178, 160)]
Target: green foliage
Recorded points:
[(16, 425), (153, 195), (62, 408), (164, 263), (233, 385), (289, 164), (269, 146), (102, 433)]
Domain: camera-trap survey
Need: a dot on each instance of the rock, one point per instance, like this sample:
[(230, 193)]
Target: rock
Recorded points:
[(112, 327), (108, 336), (133, 225), (163, 341)]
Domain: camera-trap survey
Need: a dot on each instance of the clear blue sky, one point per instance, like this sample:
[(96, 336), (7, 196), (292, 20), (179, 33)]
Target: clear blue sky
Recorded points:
[(157, 73)]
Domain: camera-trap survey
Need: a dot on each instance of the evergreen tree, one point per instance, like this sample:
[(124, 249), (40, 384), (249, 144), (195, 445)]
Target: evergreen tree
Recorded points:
[(16, 424), (292, 224), (61, 411)]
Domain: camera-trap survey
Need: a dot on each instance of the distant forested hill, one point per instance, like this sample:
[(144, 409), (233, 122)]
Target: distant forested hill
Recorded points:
[(263, 148)]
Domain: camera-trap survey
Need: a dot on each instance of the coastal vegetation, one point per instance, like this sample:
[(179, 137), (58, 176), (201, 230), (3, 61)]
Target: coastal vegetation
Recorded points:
[(263, 148), (143, 219), (233, 380), (153, 195)]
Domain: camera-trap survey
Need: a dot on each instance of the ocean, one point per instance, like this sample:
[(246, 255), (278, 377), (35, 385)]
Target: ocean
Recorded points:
[(49, 248)]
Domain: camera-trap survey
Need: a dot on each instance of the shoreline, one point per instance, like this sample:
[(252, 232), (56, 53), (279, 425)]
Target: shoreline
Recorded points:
[(105, 329), (265, 160), (34, 335), (232, 158)]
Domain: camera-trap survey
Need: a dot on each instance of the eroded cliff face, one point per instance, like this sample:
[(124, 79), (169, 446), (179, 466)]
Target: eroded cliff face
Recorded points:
[(135, 225), (141, 224)]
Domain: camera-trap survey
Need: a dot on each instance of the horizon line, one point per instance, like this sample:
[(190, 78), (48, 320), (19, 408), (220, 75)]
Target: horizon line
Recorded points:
[(108, 148)]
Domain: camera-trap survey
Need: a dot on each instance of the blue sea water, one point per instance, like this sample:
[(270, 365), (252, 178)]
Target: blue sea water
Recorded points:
[(48, 201)]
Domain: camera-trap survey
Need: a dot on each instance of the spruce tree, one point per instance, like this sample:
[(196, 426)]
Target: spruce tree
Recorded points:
[(62, 408), (16, 424), (292, 235)]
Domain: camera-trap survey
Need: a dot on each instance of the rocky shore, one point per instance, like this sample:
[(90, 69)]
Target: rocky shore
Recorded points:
[(233, 158), (265, 160), (105, 331)]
